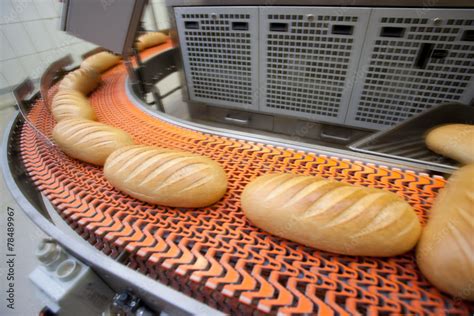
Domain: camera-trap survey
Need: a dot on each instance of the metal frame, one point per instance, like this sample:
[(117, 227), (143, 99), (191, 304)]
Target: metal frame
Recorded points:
[(309, 13), (126, 46), (419, 6), (51, 74), (214, 13), (20, 94), (346, 3), (412, 75)]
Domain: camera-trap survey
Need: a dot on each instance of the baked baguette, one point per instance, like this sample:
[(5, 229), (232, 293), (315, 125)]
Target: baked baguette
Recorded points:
[(82, 80), (100, 62), (331, 215), (71, 104), (167, 177), (455, 141), (445, 253), (89, 141), (150, 39)]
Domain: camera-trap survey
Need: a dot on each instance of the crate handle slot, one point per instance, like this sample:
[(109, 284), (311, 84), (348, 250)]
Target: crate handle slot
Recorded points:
[(342, 29), (424, 55), (390, 31), (278, 27), (240, 26), (191, 25)]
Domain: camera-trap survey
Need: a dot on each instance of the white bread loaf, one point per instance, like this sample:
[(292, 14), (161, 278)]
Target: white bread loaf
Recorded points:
[(445, 253), (331, 216), (167, 177), (100, 62), (455, 141), (89, 141), (71, 104), (81, 80), (150, 39)]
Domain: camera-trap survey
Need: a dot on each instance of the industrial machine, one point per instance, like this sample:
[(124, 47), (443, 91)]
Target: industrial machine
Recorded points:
[(340, 89)]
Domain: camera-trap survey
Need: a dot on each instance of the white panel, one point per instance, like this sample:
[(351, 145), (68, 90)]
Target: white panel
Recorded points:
[(3, 82), (32, 65), (52, 27), (46, 9), (220, 53), (25, 9), (6, 51), (393, 84), (51, 56), (148, 19), (161, 15), (58, 7), (13, 71), (19, 39), (308, 56), (62, 38), (39, 35), (8, 12)]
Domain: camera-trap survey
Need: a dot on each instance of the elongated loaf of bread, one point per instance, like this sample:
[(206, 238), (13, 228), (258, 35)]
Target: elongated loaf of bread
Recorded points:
[(89, 141), (82, 80), (167, 177), (455, 141), (71, 104), (100, 62), (150, 39), (445, 253), (331, 215)]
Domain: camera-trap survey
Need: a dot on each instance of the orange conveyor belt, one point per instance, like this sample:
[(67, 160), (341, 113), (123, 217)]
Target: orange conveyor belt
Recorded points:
[(214, 254)]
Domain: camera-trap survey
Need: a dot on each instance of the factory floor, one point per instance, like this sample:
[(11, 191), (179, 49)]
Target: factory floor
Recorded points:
[(27, 236)]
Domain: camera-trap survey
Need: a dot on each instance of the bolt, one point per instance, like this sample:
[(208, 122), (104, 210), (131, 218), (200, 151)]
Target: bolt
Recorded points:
[(437, 21), (49, 253), (310, 17), (67, 270), (214, 16)]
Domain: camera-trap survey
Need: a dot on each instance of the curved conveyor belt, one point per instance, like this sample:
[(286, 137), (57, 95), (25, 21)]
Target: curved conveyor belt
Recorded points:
[(214, 254)]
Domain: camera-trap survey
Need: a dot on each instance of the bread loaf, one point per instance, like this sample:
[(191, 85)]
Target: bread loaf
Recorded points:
[(455, 141), (167, 177), (150, 39), (100, 62), (71, 104), (331, 215), (89, 141), (81, 80), (445, 253)]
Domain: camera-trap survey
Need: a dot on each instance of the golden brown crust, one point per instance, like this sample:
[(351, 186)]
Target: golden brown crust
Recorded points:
[(331, 215), (71, 104), (150, 39), (89, 141), (445, 253), (455, 141), (81, 80), (100, 62), (167, 177)]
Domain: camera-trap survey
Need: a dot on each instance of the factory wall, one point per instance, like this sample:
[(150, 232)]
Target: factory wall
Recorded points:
[(30, 39)]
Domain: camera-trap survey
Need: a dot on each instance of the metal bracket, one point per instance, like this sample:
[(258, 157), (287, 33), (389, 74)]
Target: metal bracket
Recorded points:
[(21, 92), (51, 75), (135, 73)]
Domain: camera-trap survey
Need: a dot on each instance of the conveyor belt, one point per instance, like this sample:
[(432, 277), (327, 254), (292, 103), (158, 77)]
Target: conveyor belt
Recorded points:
[(214, 254)]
